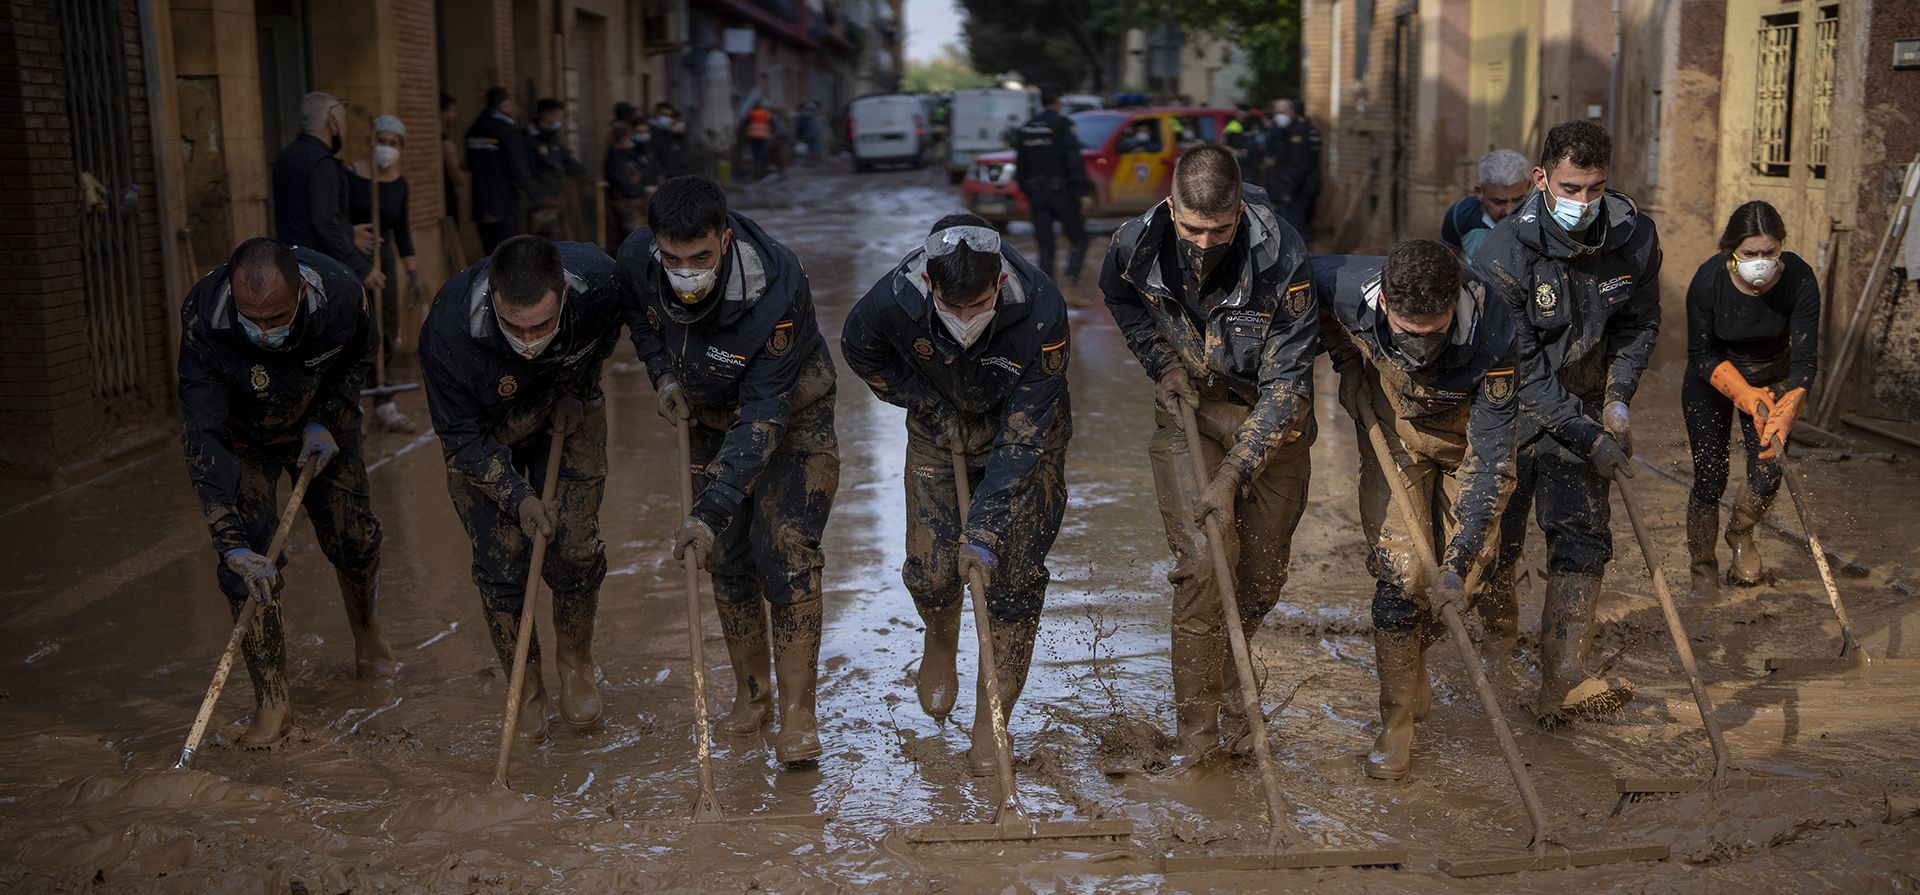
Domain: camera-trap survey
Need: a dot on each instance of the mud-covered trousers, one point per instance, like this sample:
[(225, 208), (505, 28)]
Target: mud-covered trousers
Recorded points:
[(1709, 417), (1258, 548), (771, 548), (1018, 589), (339, 504), (1430, 453), (576, 560), (1570, 500)]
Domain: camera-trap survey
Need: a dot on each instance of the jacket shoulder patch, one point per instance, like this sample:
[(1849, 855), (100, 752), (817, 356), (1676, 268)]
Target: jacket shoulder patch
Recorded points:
[(1498, 386), (1053, 358), (1299, 296), (782, 338)]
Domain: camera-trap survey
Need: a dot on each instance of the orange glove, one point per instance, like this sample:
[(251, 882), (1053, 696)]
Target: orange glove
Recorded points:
[(1786, 409), (1728, 381)]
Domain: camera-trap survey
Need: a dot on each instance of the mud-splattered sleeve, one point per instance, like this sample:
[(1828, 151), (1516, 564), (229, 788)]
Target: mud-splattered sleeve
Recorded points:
[(1036, 405), (767, 388), (1634, 326), (1486, 474), (873, 356), (1336, 341), (1130, 311), (459, 418), (1803, 336), (1286, 375), (211, 464), (337, 404), (1703, 350), (632, 277), (1541, 394)]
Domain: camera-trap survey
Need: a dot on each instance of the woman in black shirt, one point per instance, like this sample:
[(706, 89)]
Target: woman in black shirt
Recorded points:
[(1753, 343), (396, 232)]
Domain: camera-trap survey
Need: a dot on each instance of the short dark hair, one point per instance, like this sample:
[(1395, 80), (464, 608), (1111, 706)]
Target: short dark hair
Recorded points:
[(1206, 180), (525, 269), (623, 110), (447, 101), (1421, 278), (962, 273), (548, 104), (686, 208), (1049, 96), (1580, 143), (261, 265), (496, 96), (1756, 218)]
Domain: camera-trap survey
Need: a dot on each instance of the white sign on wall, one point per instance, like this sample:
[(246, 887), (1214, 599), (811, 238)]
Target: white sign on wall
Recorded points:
[(737, 41)]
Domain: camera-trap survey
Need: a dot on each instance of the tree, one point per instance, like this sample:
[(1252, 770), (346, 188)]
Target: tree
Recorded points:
[(949, 70), (1268, 30), (1057, 44)]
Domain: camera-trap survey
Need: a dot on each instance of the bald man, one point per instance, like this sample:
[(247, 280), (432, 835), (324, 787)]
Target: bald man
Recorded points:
[(274, 347), (310, 192)]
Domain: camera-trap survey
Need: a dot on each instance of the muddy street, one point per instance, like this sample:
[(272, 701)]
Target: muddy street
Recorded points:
[(113, 622)]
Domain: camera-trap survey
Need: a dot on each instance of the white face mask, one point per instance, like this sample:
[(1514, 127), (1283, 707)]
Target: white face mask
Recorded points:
[(970, 331), (1283, 120), (690, 284), (1756, 271), (530, 350), (273, 337), (386, 156)]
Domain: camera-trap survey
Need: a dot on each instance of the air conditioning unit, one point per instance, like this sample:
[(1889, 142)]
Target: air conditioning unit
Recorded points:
[(665, 32)]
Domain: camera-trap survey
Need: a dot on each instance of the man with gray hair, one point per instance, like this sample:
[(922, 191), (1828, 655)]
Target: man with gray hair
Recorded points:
[(1214, 295), (1505, 179), (310, 191)]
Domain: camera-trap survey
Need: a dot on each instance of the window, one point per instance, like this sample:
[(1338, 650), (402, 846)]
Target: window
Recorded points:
[(1193, 130), (1143, 135), (1773, 95), (1826, 36)]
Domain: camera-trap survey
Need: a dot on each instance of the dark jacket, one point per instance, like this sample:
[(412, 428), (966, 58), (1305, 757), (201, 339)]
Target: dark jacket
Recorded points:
[(1474, 377), (484, 396), (1463, 220), (750, 360), (1261, 331), (627, 171), (497, 158), (553, 165), (1008, 391), (1047, 156), (233, 391), (1294, 155), (310, 203), (1586, 314)]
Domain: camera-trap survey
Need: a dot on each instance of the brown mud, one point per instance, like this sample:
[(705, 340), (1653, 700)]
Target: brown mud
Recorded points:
[(112, 623)]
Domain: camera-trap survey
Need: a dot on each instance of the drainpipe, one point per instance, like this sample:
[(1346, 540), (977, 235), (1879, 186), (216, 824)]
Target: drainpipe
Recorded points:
[(159, 128), (1613, 79)]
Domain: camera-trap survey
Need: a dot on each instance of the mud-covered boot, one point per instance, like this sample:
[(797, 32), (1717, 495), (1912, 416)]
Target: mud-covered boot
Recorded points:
[(360, 593), (504, 628), (745, 627), (1196, 702), (796, 668), (1703, 521), (1012, 655), (1499, 612), (1398, 655), (1744, 568), (1566, 634), (938, 681), (580, 704), (265, 650)]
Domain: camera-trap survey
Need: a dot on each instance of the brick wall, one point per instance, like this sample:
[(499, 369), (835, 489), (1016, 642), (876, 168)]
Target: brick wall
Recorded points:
[(50, 417)]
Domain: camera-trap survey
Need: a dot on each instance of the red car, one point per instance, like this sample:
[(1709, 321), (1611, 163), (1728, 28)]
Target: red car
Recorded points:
[(1129, 154)]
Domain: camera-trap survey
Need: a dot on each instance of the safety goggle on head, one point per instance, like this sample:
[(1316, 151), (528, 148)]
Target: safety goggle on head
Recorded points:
[(979, 239)]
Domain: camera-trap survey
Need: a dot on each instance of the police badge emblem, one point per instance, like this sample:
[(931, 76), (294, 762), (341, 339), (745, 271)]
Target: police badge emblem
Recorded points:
[(258, 378), (1544, 298), (653, 319), (924, 348), (508, 385), (1299, 295), (1053, 358), (1499, 385), (782, 338)]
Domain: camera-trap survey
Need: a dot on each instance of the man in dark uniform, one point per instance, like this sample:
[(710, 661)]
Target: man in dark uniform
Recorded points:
[(554, 169), (1580, 267), (1048, 169), (972, 341), (274, 346), (497, 162), (1424, 344), (1293, 150), (512, 351), (1215, 297), (310, 191), (722, 316)]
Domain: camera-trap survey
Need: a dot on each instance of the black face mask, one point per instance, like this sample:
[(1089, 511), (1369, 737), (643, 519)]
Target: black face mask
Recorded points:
[(1421, 349), (1201, 262)]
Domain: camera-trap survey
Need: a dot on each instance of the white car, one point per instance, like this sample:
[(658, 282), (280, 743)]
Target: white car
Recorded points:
[(889, 129), (980, 121)]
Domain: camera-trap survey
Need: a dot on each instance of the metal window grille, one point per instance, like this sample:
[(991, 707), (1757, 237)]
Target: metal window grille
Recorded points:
[(1773, 102), (1826, 37), (90, 31)]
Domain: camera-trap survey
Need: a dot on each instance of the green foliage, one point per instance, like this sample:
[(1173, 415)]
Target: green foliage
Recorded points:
[(1269, 30), (948, 71)]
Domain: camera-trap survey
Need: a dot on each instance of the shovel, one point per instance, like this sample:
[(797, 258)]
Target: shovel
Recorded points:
[(523, 641), (244, 623), (706, 804), (1280, 854), (1546, 851), (1011, 822)]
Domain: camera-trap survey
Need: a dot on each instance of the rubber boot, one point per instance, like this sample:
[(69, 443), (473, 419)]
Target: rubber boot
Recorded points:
[(265, 650), (361, 594), (1012, 655), (1745, 569), (1703, 520), (1399, 657), (1566, 634), (1499, 611), (504, 628), (745, 627), (796, 668), (580, 704), (938, 681), (1196, 695)]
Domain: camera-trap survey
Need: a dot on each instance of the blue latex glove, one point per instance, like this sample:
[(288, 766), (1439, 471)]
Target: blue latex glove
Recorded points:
[(975, 558), (1614, 420), (256, 572), (1451, 592), (316, 441)]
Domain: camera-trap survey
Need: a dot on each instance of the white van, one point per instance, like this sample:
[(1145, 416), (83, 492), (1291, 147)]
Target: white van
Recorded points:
[(981, 119), (888, 129)]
